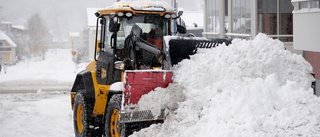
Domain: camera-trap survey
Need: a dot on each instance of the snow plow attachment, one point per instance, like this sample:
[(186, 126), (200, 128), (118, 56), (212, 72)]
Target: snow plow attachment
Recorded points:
[(181, 48), (140, 82), (136, 84)]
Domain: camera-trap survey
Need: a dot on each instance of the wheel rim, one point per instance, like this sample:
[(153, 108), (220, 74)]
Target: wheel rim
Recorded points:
[(114, 124), (80, 118)]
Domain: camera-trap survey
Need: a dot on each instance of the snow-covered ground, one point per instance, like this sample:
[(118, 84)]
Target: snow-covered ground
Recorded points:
[(35, 99), (42, 114), (250, 88)]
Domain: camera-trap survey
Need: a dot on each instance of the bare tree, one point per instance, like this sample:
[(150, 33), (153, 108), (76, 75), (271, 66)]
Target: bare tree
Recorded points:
[(38, 34), (1, 10)]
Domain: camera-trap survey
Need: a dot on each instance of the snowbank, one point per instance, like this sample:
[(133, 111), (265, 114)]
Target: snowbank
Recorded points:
[(250, 88), (54, 71), (57, 65)]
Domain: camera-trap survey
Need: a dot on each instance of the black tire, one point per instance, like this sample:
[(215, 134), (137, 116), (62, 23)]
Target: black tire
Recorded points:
[(82, 115), (113, 128)]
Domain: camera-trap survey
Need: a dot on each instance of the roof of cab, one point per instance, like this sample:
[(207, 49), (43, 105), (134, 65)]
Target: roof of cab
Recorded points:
[(139, 7)]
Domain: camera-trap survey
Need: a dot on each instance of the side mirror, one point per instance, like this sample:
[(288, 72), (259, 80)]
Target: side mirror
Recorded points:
[(114, 26), (180, 13), (181, 26), (119, 65)]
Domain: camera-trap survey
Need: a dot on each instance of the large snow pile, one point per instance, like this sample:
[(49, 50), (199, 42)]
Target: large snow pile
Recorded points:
[(250, 88)]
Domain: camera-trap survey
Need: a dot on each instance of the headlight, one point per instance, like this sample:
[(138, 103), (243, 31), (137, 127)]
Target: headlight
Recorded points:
[(112, 15), (167, 16), (119, 65), (173, 16), (120, 14), (128, 14)]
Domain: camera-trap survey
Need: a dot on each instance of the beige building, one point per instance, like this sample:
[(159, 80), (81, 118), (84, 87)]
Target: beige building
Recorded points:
[(75, 39), (7, 49)]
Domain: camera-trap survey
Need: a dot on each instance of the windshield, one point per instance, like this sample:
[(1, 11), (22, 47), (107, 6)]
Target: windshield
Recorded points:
[(154, 27), (146, 23)]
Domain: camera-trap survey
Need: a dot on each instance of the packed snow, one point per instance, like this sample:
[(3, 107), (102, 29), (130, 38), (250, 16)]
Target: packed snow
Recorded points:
[(42, 114), (249, 88)]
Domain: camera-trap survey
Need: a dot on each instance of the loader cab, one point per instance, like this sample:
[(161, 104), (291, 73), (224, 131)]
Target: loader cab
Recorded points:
[(119, 29), (150, 28)]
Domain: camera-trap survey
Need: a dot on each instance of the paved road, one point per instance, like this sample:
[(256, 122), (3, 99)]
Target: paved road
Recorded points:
[(33, 87)]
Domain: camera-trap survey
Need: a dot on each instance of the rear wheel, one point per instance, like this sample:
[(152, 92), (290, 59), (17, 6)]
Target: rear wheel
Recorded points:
[(113, 127), (82, 112)]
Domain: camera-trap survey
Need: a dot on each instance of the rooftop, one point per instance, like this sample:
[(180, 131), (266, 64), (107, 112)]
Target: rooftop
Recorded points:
[(4, 36)]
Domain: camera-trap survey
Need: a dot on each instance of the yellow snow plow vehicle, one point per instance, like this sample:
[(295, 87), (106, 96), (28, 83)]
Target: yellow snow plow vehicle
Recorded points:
[(132, 57)]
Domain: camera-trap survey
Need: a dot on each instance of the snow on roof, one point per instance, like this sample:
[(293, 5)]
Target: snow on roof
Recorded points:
[(6, 22), (193, 17), (21, 27), (91, 18), (140, 4), (74, 34), (136, 4), (4, 36), (298, 0)]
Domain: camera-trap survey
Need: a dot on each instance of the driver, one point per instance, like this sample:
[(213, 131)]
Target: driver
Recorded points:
[(154, 38)]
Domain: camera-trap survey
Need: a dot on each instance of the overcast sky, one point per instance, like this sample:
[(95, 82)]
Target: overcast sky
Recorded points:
[(62, 16)]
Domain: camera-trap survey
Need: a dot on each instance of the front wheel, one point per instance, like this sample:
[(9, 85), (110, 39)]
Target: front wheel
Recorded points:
[(113, 127), (82, 112)]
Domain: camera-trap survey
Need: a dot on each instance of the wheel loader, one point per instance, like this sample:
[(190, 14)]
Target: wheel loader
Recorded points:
[(134, 54)]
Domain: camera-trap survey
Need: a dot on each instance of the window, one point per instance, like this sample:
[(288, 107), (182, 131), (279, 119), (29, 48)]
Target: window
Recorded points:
[(285, 20), (303, 5), (267, 17), (213, 9), (1, 43), (241, 16), (107, 40), (152, 27), (314, 4), (1, 58), (275, 18), (311, 4)]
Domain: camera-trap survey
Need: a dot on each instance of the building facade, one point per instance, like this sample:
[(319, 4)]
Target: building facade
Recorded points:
[(19, 35), (7, 49), (306, 33), (246, 18)]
